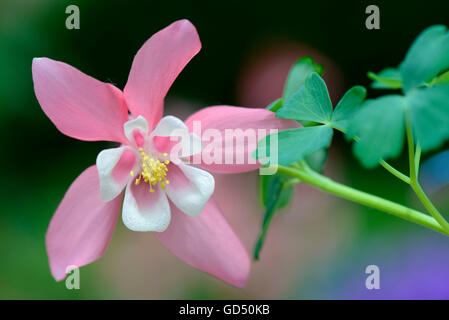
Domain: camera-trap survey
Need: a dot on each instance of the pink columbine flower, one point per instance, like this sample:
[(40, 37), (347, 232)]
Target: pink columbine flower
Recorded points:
[(162, 195)]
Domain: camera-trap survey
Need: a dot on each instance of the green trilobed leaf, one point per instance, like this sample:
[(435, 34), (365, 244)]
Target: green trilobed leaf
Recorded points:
[(298, 74), (310, 103), (295, 144), (389, 78), (427, 57), (379, 129), (347, 107), (429, 115), (275, 105)]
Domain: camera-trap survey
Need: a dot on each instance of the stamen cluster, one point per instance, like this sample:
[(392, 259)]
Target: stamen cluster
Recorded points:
[(153, 170)]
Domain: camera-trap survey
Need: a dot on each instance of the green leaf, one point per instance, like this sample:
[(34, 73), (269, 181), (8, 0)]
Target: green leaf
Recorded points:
[(273, 199), (380, 124), (275, 105), (347, 107), (266, 182), (285, 197), (427, 57), (298, 74), (295, 144), (429, 115), (389, 78), (311, 102), (379, 129)]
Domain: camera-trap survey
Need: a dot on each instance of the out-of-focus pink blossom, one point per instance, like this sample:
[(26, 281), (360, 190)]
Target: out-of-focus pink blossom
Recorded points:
[(262, 78)]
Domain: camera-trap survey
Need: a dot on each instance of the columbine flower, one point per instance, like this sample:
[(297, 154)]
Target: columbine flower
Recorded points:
[(162, 195)]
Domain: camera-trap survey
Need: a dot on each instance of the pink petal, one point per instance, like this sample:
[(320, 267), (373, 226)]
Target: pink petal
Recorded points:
[(79, 106), (156, 66), (225, 117), (82, 226), (208, 243)]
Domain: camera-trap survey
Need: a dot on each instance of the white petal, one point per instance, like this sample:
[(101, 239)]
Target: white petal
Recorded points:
[(139, 123), (144, 210), (190, 188), (191, 146), (114, 167), (168, 125), (171, 126)]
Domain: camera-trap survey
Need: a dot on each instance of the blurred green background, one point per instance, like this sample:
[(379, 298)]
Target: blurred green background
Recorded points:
[(317, 248)]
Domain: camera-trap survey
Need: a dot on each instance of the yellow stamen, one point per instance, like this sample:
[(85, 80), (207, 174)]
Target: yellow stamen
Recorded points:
[(153, 171)]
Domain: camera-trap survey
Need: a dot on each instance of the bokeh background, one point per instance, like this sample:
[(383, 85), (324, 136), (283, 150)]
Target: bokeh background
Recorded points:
[(318, 247)]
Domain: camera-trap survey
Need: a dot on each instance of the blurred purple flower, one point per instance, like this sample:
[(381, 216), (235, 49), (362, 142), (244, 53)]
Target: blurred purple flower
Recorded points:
[(416, 269), (435, 172)]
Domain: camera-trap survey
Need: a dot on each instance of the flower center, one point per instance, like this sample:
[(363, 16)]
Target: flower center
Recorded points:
[(153, 170)]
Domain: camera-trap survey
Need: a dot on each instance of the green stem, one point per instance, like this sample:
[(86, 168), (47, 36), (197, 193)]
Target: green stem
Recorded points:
[(430, 207), (417, 159), (321, 182), (411, 152), (414, 164), (291, 183), (395, 172), (384, 164)]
